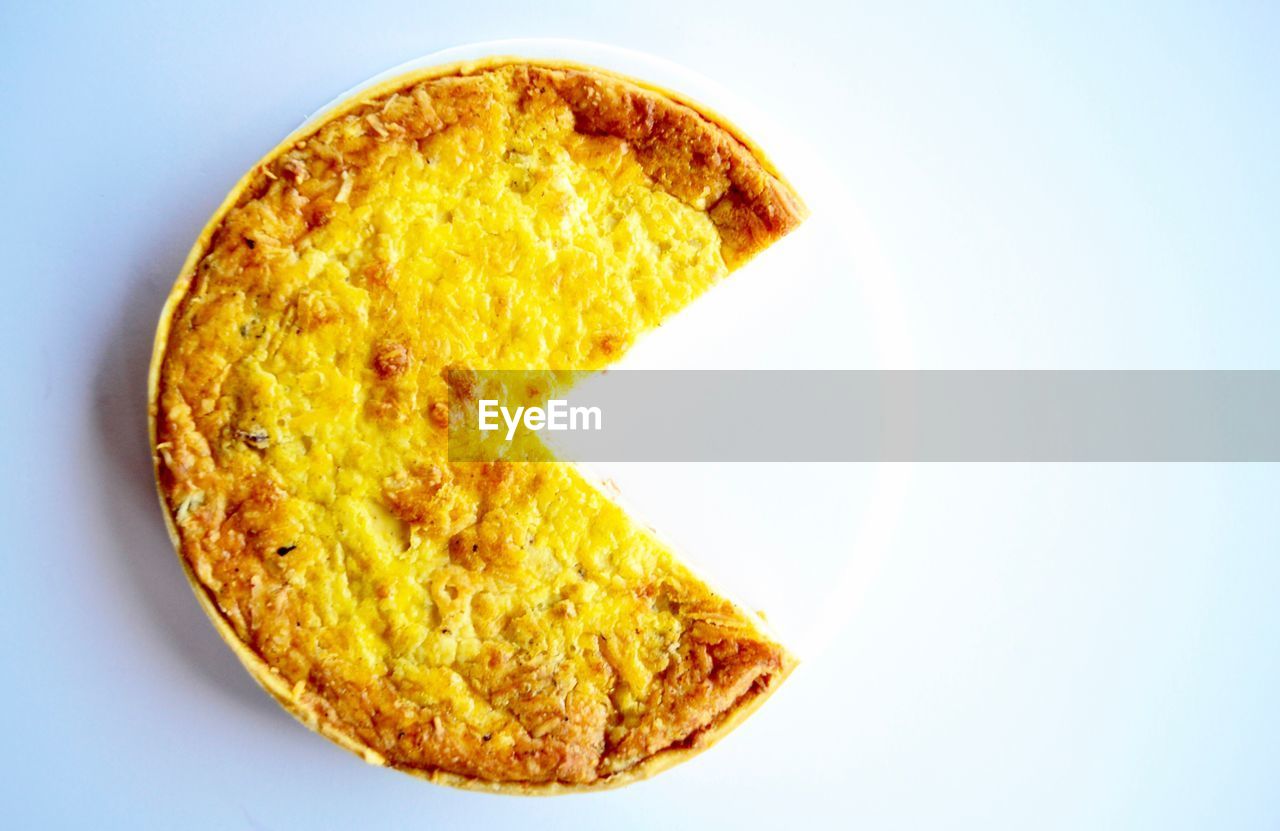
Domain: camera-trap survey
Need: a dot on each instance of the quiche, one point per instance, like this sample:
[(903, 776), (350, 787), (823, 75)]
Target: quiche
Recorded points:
[(499, 625)]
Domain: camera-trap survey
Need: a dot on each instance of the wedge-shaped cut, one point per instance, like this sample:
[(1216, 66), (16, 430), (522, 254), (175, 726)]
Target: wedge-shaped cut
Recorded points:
[(492, 625)]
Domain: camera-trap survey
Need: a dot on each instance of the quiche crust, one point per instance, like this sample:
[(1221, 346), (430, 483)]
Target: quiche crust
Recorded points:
[(495, 626)]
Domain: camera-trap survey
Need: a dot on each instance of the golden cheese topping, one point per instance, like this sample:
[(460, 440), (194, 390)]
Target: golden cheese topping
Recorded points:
[(500, 623)]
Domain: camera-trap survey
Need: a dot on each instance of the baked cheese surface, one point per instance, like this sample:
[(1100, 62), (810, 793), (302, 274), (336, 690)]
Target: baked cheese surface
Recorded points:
[(493, 624)]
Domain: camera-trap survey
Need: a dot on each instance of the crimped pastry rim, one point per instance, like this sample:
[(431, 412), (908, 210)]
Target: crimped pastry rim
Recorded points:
[(263, 673)]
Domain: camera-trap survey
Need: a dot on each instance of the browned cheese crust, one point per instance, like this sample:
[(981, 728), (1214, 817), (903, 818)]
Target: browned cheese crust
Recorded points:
[(587, 655)]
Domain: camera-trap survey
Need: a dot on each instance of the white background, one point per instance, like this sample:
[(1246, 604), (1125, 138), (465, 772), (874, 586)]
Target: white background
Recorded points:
[(987, 646)]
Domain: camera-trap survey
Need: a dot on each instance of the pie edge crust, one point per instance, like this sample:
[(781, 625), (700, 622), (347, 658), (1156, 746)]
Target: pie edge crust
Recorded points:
[(307, 711)]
